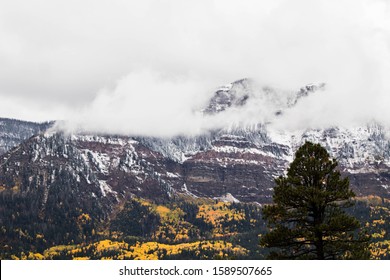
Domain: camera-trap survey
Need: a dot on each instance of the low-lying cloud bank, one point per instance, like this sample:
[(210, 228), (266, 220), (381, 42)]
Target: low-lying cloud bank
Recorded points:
[(148, 67)]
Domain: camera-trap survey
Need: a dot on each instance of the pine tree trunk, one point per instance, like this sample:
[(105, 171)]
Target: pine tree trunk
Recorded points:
[(318, 219), (319, 246)]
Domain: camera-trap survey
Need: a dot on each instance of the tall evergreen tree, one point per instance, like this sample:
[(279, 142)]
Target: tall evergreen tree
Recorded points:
[(307, 218)]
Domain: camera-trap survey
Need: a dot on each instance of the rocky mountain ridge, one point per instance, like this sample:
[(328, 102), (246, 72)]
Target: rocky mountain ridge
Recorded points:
[(240, 164), (13, 132), (59, 188)]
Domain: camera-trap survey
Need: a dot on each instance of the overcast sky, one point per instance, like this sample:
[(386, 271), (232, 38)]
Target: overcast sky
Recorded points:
[(145, 66)]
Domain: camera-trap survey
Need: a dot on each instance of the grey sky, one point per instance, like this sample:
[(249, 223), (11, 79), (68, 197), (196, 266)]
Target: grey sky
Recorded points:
[(132, 66)]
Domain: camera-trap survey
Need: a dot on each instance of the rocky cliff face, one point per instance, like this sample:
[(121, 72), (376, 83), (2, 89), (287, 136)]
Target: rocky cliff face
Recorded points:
[(97, 173)]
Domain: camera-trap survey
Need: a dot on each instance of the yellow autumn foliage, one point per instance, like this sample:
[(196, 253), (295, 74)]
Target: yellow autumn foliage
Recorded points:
[(140, 251), (151, 250), (379, 222), (216, 214), (32, 256), (39, 236), (56, 251), (380, 250), (163, 211), (84, 218)]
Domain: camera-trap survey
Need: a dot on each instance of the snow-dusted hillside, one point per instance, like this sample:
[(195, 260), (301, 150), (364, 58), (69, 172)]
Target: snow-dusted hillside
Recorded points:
[(13, 132), (356, 148), (234, 163)]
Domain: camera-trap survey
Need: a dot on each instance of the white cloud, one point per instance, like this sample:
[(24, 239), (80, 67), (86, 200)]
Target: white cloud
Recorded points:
[(145, 103), (86, 60)]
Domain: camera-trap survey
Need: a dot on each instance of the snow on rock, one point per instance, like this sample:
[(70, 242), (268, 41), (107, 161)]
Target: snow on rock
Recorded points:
[(105, 188), (172, 175), (113, 140), (235, 150), (100, 160), (187, 192), (227, 198)]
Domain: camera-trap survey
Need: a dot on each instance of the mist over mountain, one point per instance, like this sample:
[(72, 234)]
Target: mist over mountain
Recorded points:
[(50, 174), (166, 68), (236, 154), (178, 116)]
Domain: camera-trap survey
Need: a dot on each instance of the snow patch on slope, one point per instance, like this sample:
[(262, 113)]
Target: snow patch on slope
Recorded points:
[(227, 198), (105, 188)]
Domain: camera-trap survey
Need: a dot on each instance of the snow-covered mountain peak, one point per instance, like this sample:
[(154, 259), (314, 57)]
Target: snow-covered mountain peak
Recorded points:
[(248, 97), (229, 96)]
